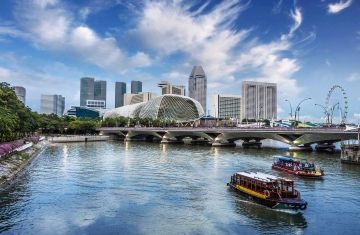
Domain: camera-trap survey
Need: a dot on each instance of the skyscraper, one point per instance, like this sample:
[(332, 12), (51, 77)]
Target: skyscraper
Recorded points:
[(259, 100), (92, 93), (198, 85), (100, 90), (52, 104), (136, 87), (86, 90), (227, 106), (20, 93), (168, 88), (120, 90)]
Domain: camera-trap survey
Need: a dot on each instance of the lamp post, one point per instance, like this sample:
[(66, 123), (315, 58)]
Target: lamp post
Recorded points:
[(297, 110), (327, 114), (291, 112)]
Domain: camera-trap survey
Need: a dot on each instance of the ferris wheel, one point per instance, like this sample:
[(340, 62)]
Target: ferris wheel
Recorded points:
[(342, 104)]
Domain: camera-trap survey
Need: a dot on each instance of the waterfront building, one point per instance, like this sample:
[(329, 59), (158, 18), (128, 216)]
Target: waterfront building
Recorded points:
[(97, 104), (82, 112), (138, 98), (136, 87), (91, 90), (166, 107), (198, 85), (20, 93), (227, 106), (259, 100), (168, 88), (120, 90), (52, 104)]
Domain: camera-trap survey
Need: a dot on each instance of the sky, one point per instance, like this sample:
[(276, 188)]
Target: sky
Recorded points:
[(306, 47)]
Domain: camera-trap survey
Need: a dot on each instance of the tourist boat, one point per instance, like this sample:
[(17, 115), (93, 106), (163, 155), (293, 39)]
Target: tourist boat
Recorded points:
[(268, 190), (350, 153), (300, 168)]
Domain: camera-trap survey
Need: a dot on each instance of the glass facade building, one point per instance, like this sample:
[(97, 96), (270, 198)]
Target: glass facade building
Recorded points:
[(20, 93), (120, 90), (168, 107), (52, 104), (198, 85), (227, 106), (136, 87), (92, 90), (259, 100)]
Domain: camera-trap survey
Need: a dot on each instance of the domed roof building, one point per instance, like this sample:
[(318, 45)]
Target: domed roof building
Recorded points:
[(173, 107)]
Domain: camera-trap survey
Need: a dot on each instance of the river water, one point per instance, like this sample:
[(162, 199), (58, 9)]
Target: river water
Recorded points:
[(149, 188)]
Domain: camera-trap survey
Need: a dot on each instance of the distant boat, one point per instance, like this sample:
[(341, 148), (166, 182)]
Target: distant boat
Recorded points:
[(268, 190), (300, 168)]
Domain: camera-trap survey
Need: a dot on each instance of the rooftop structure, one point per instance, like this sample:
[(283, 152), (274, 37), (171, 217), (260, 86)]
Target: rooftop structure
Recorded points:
[(168, 88)]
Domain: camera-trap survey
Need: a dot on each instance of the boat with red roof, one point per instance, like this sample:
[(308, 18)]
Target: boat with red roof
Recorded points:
[(300, 168)]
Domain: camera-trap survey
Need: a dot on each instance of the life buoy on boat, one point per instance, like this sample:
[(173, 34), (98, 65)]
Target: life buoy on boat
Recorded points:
[(267, 193)]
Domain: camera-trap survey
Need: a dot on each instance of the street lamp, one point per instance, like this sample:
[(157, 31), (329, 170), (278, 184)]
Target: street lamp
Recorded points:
[(291, 113), (297, 110), (327, 114)]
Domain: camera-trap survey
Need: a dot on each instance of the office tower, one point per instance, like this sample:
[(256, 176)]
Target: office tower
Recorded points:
[(167, 88), (92, 93), (227, 106), (197, 85), (138, 98), (20, 93), (136, 87), (100, 90), (52, 104), (259, 100), (120, 90)]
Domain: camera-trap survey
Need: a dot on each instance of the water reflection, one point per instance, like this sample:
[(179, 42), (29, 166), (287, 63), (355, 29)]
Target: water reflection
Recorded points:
[(268, 220), (150, 188)]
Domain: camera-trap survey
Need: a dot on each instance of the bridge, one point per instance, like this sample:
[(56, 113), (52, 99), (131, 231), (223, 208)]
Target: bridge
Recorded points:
[(296, 138)]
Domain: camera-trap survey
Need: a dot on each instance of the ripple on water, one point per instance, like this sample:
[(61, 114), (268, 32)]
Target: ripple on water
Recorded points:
[(148, 188)]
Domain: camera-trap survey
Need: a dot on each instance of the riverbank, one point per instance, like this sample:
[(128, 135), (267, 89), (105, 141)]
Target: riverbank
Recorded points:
[(13, 165), (77, 138)]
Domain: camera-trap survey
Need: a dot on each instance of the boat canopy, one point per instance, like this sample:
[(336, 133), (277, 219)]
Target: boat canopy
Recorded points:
[(262, 176), (285, 159)]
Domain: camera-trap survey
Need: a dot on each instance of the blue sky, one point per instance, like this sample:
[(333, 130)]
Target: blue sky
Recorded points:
[(304, 46)]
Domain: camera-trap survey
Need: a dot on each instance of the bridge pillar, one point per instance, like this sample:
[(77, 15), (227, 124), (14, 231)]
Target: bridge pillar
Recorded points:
[(199, 141)]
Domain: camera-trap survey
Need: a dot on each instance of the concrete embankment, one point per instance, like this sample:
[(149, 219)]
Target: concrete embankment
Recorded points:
[(13, 165), (78, 138)]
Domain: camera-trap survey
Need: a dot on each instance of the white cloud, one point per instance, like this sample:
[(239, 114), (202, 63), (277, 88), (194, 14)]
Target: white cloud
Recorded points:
[(297, 18), (353, 77), (334, 8), (208, 38), (50, 26), (328, 63)]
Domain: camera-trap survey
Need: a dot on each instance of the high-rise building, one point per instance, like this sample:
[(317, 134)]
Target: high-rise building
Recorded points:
[(120, 90), (100, 90), (138, 98), (198, 85), (92, 90), (167, 88), (136, 87), (52, 104), (20, 93), (227, 106), (259, 100)]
